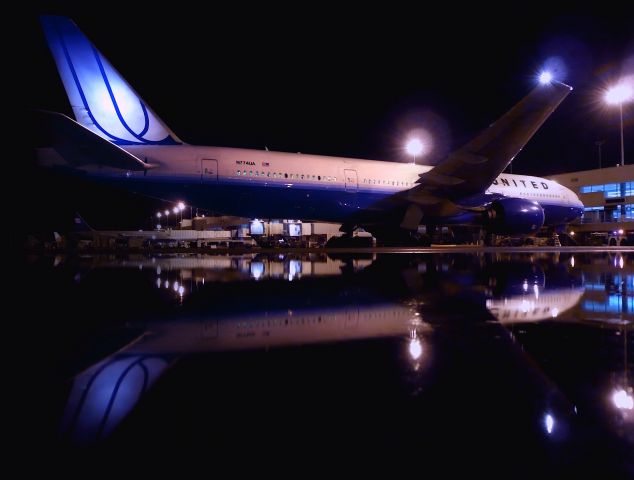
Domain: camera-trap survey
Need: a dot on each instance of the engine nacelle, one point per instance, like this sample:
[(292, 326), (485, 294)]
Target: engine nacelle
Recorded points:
[(513, 216)]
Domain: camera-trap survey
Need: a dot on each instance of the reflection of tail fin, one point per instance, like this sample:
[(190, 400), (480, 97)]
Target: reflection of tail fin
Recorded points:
[(103, 395), (101, 99)]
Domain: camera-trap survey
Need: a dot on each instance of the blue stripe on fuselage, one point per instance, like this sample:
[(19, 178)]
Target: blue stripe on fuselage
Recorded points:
[(256, 198)]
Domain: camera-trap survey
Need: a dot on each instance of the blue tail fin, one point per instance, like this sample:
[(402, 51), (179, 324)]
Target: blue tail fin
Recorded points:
[(101, 99)]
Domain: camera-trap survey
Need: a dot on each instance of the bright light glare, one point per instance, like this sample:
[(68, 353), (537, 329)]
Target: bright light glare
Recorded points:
[(415, 348), (176, 210), (545, 77), (158, 215), (181, 206), (167, 212), (549, 423), (619, 94), (622, 400), (414, 147), (620, 231)]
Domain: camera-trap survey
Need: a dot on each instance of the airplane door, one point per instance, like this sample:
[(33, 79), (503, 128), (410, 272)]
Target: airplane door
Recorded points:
[(352, 184), (209, 170)]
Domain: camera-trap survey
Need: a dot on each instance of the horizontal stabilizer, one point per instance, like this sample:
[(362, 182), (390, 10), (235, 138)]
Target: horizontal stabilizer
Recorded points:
[(80, 147)]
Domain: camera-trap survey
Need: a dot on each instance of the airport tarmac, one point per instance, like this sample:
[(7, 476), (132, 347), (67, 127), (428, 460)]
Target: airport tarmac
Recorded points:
[(514, 361)]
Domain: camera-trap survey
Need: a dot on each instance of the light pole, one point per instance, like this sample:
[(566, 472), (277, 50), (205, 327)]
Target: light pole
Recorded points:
[(181, 207), (158, 215), (598, 143), (167, 219), (618, 95), (414, 147), (175, 210)]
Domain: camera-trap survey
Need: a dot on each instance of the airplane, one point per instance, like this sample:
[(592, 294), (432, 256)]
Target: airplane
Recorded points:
[(117, 139)]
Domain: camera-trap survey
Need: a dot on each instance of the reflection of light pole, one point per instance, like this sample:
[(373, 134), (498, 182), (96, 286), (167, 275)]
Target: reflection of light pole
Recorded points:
[(158, 215), (414, 147), (598, 143), (617, 95)]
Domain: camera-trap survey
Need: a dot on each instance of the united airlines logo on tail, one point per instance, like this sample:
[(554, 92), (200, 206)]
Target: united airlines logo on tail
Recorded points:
[(101, 99)]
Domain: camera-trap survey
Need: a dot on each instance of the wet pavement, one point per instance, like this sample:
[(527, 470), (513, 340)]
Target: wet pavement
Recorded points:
[(518, 363)]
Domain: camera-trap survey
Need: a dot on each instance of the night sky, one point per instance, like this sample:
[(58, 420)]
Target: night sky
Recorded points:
[(320, 79)]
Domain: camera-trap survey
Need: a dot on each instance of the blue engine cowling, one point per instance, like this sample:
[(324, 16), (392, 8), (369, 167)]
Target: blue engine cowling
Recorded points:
[(514, 216)]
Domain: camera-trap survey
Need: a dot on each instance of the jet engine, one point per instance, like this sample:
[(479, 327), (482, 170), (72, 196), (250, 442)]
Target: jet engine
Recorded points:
[(513, 216)]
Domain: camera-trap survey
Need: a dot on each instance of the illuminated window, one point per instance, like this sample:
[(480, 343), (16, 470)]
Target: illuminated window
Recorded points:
[(250, 173), (238, 172), (612, 190)]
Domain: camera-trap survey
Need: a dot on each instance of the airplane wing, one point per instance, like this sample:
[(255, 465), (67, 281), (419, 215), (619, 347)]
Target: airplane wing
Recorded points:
[(473, 167), (79, 146)]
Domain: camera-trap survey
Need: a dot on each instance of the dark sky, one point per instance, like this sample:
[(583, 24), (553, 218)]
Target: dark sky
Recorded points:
[(353, 82)]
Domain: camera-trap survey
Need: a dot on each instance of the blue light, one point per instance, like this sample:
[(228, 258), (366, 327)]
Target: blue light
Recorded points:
[(545, 77), (549, 423)]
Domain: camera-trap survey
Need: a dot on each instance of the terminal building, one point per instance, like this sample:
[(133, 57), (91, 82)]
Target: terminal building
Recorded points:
[(608, 198)]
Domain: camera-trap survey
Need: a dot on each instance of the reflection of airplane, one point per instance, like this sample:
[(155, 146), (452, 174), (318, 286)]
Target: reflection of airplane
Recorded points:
[(104, 394), (534, 306), (118, 139), (224, 268), (411, 302)]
